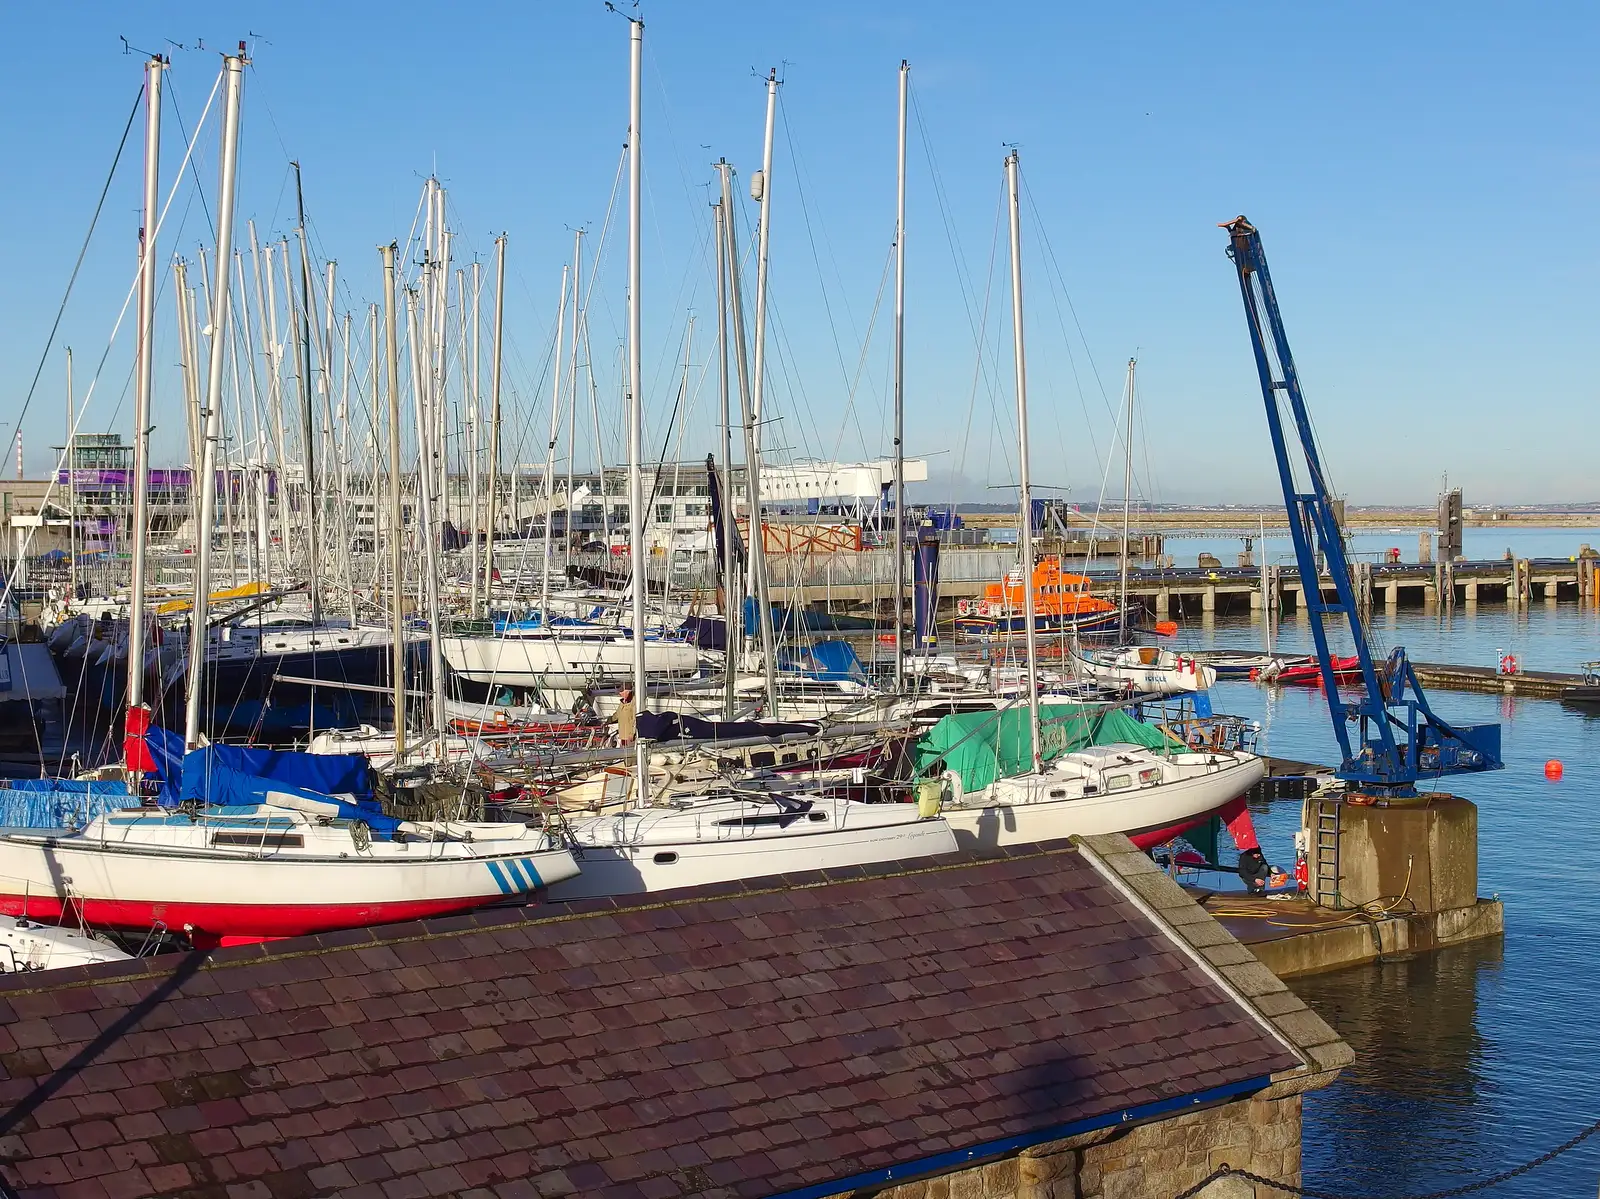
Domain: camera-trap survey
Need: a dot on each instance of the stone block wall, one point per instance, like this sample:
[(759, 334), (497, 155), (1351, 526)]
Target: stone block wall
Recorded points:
[(1148, 1161)]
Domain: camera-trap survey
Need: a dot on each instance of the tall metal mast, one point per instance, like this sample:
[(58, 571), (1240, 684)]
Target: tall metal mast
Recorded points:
[(1025, 487), (730, 658), (206, 479), (474, 419), (572, 385), (429, 526), (1127, 492), (494, 420), (397, 620), (636, 390), (752, 451), (762, 194), (313, 501), (72, 490), (550, 457), (900, 391)]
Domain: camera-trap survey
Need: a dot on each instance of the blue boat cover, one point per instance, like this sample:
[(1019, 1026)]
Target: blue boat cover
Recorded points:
[(208, 778), (59, 803), (330, 774)]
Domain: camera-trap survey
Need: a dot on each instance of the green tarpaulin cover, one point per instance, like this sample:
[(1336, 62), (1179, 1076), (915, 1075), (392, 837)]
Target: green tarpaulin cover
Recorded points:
[(984, 746)]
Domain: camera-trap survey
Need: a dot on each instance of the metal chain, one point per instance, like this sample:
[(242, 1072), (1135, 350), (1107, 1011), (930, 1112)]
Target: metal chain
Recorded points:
[(1226, 1171)]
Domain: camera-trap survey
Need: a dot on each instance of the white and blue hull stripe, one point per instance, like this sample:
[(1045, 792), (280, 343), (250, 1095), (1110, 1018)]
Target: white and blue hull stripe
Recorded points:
[(513, 875)]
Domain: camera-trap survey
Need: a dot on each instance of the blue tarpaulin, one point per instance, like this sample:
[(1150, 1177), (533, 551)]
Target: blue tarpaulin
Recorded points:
[(329, 774), (836, 661), (59, 803), (209, 778)]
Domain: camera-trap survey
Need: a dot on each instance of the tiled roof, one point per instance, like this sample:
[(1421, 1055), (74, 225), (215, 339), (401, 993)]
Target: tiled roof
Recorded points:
[(741, 1040)]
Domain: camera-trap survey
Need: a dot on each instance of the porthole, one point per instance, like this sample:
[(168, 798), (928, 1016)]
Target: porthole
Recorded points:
[(665, 859)]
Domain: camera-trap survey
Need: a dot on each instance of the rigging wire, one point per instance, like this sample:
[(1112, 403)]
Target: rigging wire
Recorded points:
[(83, 251)]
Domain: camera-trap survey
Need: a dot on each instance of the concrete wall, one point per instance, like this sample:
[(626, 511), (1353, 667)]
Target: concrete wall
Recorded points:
[(1427, 852), (1148, 1161)]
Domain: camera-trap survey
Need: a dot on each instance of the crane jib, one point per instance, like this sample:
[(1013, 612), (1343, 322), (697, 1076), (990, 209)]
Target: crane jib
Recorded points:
[(1377, 761)]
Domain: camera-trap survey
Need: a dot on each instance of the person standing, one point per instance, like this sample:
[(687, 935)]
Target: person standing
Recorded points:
[(627, 716)]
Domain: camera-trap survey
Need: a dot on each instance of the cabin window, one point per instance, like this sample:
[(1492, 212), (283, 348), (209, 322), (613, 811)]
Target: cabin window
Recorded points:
[(1119, 782), (1148, 778), (1058, 793), (248, 840), (665, 859), (778, 820), (817, 817)]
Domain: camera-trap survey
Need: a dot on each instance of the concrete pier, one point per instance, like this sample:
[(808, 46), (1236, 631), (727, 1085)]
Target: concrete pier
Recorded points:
[(1398, 877), (1544, 684)]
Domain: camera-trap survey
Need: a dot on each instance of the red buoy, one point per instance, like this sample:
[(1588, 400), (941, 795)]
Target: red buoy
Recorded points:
[(1552, 769)]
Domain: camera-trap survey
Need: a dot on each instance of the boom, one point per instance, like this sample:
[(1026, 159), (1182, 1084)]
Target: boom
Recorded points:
[(1381, 762)]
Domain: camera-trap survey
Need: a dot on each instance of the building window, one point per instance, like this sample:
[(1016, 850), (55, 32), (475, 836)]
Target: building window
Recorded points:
[(663, 514)]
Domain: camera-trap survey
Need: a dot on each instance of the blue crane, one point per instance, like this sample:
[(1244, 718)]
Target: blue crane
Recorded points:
[(1400, 738)]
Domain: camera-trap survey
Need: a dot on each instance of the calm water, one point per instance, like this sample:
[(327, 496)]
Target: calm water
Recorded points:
[(1474, 1059), (1372, 545)]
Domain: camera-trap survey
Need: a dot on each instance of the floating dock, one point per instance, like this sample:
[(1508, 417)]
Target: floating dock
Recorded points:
[(1547, 684), (1291, 935)]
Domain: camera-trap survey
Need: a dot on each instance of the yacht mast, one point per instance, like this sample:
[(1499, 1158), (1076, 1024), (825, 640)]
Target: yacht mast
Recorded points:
[(730, 658), (494, 422), (1025, 488), (752, 451), (430, 529), (1127, 492), (206, 479), (900, 393), (550, 455), (474, 420), (397, 620), (636, 394), (572, 391), (313, 500)]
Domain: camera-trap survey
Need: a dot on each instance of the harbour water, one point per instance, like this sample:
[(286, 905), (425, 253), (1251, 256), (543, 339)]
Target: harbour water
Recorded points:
[(1480, 544), (1478, 1058)]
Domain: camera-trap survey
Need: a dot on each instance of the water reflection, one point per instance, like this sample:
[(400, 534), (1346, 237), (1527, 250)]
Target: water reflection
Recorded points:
[(1420, 1077)]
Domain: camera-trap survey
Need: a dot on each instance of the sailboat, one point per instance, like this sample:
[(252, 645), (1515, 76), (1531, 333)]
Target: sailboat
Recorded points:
[(253, 857), (245, 845), (1060, 778)]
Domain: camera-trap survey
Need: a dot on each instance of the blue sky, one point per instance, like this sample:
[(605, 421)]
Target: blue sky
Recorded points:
[(1425, 178)]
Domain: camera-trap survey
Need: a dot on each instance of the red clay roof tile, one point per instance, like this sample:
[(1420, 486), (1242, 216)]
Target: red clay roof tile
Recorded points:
[(730, 1041)]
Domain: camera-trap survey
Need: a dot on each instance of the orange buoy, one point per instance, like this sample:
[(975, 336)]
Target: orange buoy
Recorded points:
[(1553, 769), (1167, 628)]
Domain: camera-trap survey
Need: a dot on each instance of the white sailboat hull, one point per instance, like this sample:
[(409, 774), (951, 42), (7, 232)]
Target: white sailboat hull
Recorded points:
[(623, 854), (135, 870), (1021, 811), (546, 661)]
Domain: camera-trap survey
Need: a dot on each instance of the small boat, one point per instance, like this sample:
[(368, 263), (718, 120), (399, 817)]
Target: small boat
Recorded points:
[(1231, 663), (1144, 670), (754, 830), (1586, 693), (26, 946), (1062, 603), (1307, 671)]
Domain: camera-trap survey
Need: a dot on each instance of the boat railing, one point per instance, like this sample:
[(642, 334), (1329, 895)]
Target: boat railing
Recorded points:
[(1232, 733)]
